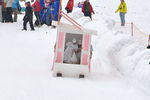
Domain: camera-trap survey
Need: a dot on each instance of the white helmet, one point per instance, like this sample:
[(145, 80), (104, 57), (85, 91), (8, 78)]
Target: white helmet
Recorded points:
[(74, 40)]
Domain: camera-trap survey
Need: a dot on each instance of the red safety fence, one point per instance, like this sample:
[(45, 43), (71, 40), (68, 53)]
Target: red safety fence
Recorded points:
[(138, 35)]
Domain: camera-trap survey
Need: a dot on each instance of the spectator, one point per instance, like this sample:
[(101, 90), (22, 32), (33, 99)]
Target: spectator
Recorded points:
[(37, 8), (87, 9), (69, 6), (15, 8), (1, 4), (28, 17), (4, 12), (80, 4), (50, 11), (9, 11), (122, 11)]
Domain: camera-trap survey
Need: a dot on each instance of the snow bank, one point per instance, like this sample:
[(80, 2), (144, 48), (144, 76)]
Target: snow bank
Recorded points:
[(122, 55), (115, 50)]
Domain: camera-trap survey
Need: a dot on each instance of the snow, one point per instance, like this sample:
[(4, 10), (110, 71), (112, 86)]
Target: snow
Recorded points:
[(120, 65)]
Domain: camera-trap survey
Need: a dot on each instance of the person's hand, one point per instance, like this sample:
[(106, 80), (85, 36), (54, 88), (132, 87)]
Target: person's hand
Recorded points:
[(115, 11)]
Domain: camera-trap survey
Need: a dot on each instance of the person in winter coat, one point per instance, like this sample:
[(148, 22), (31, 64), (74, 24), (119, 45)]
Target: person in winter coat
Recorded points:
[(80, 4), (70, 52), (37, 8), (4, 12), (50, 11), (87, 9), (15, 8), (69, 6), (9, 11), (1, 4), (122, 11), (28, 16)]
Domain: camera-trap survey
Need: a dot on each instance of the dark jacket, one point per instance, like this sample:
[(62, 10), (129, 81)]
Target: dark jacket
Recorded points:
[(87, 7), (29, 11), (4, 7)]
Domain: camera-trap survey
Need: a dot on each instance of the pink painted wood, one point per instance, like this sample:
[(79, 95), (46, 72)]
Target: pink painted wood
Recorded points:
[(60, 40), (85, 59), (86, 42), (59, 57)]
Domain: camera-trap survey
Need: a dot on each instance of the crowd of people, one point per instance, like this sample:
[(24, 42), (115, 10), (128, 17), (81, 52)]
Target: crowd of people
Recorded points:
[(10, 7), (86, 6)]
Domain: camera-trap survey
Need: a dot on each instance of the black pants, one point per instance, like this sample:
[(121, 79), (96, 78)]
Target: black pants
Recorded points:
[(9, 14), (26, 20), (4, 13), (38, 21), (88, 14)]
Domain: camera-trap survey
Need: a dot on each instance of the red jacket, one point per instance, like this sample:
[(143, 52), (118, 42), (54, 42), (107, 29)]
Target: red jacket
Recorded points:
[(70, 4), (36, 6), (90, 7)]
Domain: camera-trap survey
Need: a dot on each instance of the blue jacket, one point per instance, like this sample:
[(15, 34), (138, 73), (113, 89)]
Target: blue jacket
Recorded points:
[(16, 4), (50, 8)]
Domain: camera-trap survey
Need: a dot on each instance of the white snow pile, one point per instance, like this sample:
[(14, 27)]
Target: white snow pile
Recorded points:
[(127, 57), (120, 53)]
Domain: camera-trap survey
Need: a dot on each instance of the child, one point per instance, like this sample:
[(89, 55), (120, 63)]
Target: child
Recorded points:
[(28, 17)]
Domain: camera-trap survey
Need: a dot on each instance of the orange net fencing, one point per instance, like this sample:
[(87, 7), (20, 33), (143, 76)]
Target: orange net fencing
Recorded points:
[(139, 36)]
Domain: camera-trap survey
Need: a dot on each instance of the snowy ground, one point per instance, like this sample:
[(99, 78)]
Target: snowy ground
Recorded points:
[(120, 69)]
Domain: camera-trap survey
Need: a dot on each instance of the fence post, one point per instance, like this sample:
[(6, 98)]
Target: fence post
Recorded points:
[(132, 29)]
